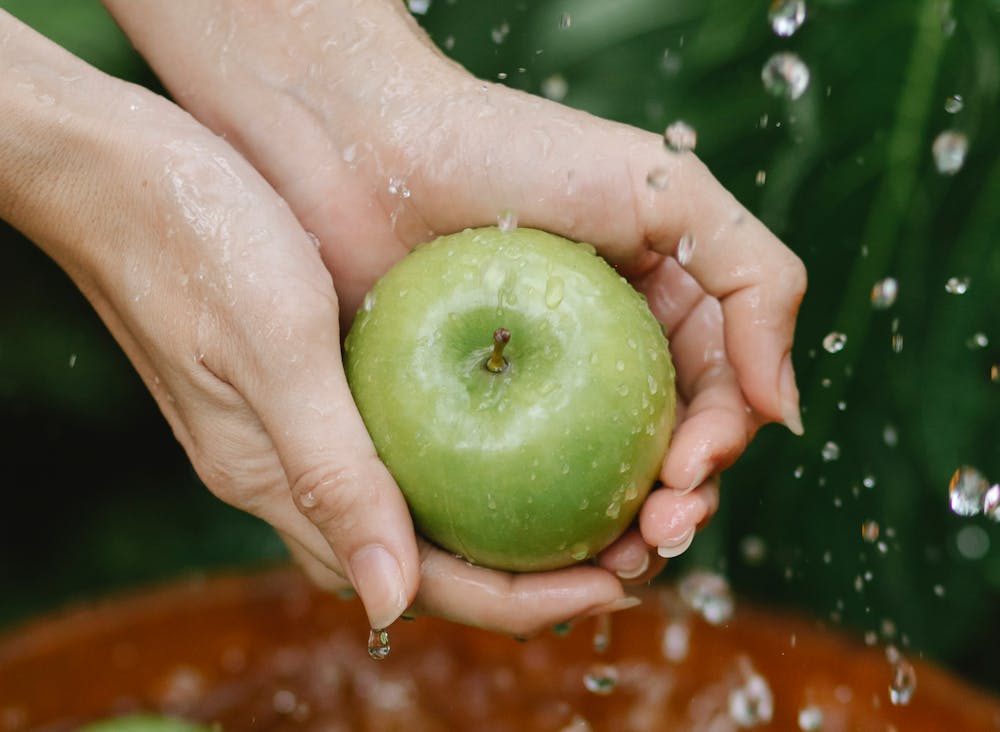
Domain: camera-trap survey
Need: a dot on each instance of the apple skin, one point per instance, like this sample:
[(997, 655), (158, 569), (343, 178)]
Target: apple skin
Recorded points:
[(546, 463)]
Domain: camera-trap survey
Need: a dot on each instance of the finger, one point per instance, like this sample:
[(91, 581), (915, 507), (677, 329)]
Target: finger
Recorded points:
[(668, 520), (631, 559), (603, 197), (515, 604), (334, 474)]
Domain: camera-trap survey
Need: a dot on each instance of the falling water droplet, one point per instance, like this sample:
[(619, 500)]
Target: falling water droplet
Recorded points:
[(904, 683), (977, 340), (565, 21), (957, 285), (799, 471), (685, 248), (602, 633), (378, 643), (954, 104), (657, 179), (579, 552), (995, 373), (834, 342), (967, 491), (884, 293), (869, 531), (676, 641), (709, 595), (499, 33), (785, 75), (419, 7), (555, 87), (890, 436), (761, 178), (830, 452), (507, 220), (753, 549), (786, 16), (601, 679), (680, 137), (991, 502), (949, 151), (751, 704), (811, 719)]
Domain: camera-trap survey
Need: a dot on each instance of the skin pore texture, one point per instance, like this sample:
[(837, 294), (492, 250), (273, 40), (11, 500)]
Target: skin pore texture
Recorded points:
[(227, 238)]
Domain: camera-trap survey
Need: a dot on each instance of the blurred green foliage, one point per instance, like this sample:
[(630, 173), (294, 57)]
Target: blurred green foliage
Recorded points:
[(98, 495)]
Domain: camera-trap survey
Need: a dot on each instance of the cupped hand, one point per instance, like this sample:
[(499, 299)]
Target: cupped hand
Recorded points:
[(379, 143)]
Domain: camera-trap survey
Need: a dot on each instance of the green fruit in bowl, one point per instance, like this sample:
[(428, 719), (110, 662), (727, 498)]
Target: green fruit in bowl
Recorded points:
[(144, 723), (519, 391)]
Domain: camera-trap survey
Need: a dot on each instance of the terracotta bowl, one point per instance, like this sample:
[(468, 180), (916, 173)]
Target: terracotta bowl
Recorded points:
[(267, 652)]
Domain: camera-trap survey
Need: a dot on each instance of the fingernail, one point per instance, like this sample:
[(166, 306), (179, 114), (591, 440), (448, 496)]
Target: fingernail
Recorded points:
[(789, 394), (674, 548), (701, 473), (379, 581), (622, 603), (637, 570)]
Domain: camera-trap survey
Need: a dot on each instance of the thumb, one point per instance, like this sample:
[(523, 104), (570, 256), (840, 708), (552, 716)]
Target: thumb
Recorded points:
[(336, 479)]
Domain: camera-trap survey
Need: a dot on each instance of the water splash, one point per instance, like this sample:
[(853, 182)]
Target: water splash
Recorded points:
[(601, 679), (378, 643), (949, 150), (954, 104), (834, 342), (884, 293), (676, 641), (957, 285), (967, 491), (680, 137), (785, 75), (709, 595), (786, 16), (904, 682), (810, 719), (751, 704)]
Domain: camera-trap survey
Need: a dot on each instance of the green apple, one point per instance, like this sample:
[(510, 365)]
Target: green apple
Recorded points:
[(519, 391), (144, 723)]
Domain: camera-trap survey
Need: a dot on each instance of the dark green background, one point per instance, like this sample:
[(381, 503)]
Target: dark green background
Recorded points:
[(97, 495)]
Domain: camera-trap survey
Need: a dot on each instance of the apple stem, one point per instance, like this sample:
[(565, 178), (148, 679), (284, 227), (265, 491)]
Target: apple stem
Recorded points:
[(497, 363)]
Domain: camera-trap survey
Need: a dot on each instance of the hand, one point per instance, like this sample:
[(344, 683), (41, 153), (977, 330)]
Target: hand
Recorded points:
[(379, 143)]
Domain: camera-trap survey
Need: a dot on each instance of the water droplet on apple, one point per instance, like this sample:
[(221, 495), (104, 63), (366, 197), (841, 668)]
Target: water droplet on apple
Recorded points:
[(622, 390), (507, 220), (368, 303), (601, 679), (555, 288), (579, 551), (491, 502), (378, 643), (613, 510), (651, 383), (584, 504), (630, 342), (631, 491)]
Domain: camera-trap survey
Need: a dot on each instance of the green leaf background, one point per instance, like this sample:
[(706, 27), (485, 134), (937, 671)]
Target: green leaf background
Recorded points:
[(98, 495)]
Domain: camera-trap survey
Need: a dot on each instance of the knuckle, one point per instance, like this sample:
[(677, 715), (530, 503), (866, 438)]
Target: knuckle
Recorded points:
[(793, 277), (327, 495)]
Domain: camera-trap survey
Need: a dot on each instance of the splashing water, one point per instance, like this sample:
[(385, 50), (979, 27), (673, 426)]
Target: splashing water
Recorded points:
[(834, 342), (810, 719), (752, 703), (680, 137), (904, 682), (709, 595), (507, 220), (378, 643), (957, 285), (967, 491), (785, 75), (949, 151), (830, 452), (657, 179), (884, 293), (601, 679), (786, 16), (685, 249), (954, 104)]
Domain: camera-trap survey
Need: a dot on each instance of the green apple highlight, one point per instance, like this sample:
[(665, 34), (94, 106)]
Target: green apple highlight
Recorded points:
[(519, 391)]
